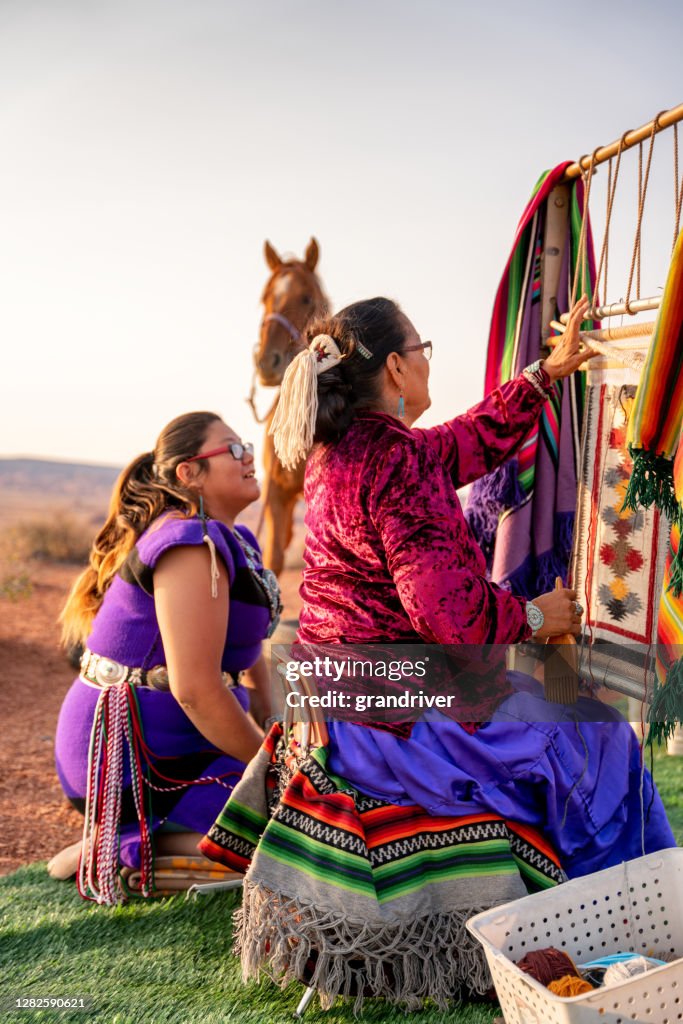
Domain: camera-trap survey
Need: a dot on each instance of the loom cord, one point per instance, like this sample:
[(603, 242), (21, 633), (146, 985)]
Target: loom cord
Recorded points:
[(678, 190), (642, 192)]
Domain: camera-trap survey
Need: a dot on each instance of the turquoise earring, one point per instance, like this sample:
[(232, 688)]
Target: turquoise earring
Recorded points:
[(401, 407)]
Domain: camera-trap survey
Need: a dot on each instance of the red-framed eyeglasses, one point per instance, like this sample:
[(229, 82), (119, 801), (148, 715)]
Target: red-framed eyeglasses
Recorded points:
[(237, 450)]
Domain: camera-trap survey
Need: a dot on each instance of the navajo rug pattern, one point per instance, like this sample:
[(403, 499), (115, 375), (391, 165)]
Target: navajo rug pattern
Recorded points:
[(619, 553)]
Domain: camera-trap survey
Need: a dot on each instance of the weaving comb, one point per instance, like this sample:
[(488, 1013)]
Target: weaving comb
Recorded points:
[(561, 669)]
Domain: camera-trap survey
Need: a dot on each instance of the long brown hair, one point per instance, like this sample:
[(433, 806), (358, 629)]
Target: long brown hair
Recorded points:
[(146, 488)]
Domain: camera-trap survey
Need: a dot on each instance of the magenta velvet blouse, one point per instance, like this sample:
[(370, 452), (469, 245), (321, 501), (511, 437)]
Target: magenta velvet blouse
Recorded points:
[(388, 554)]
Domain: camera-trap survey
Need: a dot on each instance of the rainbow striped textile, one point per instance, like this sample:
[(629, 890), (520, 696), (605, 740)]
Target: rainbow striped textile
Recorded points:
[(523, 513), (331, 870), (657, 479), (655, 425)]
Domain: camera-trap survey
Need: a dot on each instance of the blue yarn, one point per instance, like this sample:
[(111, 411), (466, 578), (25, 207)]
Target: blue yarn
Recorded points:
[(489, 497), (537, 573)]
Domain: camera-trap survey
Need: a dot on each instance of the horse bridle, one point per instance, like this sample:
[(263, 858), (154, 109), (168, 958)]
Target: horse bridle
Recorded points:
[(279, 318)]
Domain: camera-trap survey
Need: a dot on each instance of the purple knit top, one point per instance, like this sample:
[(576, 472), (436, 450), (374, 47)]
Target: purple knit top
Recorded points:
[(126, 629)]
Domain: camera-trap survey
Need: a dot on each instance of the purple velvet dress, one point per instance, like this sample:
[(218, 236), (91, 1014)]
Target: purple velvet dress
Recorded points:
[(390, 558), (126, 630)]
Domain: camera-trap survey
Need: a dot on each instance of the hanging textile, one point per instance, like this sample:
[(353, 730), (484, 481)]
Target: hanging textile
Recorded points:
[(657, 480), (655, 425), (523, 513), (618, 559)]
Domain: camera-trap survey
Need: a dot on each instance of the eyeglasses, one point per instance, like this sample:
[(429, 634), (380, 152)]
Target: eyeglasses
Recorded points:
[(237, 450), (426, 347)]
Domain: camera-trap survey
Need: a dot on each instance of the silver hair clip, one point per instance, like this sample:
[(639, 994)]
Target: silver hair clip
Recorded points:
[(365, 352)]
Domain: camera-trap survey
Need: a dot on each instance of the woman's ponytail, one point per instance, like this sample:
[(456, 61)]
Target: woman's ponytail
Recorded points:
[(145, 489)]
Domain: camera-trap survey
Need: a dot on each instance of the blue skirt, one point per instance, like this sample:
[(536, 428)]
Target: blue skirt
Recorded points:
[(576, 773)]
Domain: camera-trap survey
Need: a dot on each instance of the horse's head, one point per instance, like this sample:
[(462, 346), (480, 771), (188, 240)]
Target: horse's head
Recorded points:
[(292, 296)]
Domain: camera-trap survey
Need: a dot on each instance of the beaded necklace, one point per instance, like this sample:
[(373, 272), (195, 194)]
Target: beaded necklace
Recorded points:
[(266, 580)]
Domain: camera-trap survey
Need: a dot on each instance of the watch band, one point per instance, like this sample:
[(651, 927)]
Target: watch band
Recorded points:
[(534, 617), (538, 378)]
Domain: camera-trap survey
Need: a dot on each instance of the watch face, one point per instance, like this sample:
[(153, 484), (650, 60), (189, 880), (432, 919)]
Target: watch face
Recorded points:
[(534, 616)]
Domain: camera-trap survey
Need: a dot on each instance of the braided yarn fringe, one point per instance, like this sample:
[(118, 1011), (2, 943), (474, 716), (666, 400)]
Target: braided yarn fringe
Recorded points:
[(666, 710), (116, 723), (651, 483), (407, 962)]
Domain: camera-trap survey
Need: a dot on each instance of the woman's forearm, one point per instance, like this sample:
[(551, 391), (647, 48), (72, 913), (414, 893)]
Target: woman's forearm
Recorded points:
[(216, 714), (257, 681)]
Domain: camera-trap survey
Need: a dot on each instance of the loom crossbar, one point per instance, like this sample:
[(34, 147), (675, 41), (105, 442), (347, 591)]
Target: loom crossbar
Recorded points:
[(632, 138)]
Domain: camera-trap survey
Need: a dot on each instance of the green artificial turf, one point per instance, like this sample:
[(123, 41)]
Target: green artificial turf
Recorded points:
[(158, 961), (170, 960), (668, 774)]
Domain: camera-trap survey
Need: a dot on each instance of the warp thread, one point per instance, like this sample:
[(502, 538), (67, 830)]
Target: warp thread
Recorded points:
[(570, 986), (546, 965)]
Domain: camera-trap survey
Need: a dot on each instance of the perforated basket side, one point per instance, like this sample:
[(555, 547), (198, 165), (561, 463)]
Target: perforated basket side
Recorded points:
[(635, 907)]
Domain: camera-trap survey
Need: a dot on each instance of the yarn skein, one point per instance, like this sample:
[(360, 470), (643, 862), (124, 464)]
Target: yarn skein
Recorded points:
[(570, 986), (626, 969), (546, 965)]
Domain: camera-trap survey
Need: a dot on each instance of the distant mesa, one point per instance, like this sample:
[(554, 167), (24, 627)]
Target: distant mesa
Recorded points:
[(63, 478), (31, 489)]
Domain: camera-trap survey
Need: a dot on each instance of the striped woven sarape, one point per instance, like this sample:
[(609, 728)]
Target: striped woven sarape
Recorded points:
[(523, 512), (655, 426), (657, 479), (358, 896)]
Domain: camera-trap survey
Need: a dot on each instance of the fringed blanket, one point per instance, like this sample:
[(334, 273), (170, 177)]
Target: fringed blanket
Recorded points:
[(359, 897), (524, 510), (657, 480), (655, 426)]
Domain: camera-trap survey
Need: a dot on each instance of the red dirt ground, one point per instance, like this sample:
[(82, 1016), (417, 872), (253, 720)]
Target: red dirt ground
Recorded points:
[(36, 820)]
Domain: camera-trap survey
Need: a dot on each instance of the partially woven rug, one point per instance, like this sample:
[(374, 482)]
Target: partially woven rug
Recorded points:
[(619, 553)]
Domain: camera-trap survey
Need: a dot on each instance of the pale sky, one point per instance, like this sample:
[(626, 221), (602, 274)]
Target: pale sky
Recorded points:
[(150, 146)]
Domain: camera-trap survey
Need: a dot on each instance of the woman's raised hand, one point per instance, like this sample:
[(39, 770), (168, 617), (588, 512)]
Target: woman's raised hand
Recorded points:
[(560, 613), (569, 352)]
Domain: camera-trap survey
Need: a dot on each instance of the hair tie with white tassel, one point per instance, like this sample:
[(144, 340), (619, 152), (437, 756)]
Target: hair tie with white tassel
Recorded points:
[(293, 425)]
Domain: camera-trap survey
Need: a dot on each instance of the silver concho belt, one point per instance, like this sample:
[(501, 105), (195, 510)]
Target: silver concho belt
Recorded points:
[(96, 670)]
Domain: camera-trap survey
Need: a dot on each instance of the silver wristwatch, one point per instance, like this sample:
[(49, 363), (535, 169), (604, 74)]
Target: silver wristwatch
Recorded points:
[(534, 616)]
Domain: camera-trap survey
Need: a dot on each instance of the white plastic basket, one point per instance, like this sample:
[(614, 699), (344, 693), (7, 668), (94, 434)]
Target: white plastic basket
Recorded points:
[(636, 907)]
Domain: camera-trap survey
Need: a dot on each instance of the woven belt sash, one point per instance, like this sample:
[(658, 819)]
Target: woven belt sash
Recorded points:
[(96, 670)]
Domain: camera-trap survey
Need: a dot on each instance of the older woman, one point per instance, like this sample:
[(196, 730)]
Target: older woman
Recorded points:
[(385, 842), (172, 692)]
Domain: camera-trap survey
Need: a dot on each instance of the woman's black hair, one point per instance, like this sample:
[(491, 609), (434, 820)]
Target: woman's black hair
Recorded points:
[(365, 332)]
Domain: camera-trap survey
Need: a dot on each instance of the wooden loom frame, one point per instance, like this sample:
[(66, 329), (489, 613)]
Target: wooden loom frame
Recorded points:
[(602, 664)]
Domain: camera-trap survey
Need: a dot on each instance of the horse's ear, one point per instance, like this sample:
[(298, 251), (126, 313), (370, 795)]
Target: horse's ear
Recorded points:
[(312, 255), (272, 258)]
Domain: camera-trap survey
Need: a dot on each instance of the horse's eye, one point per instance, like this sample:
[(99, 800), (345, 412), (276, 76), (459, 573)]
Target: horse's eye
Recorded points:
[(306, 299)]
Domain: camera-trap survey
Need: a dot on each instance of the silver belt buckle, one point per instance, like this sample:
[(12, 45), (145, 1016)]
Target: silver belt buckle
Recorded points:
[(108, 672)]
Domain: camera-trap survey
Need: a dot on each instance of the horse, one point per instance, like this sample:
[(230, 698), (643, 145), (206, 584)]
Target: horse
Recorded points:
[(293, 295)]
